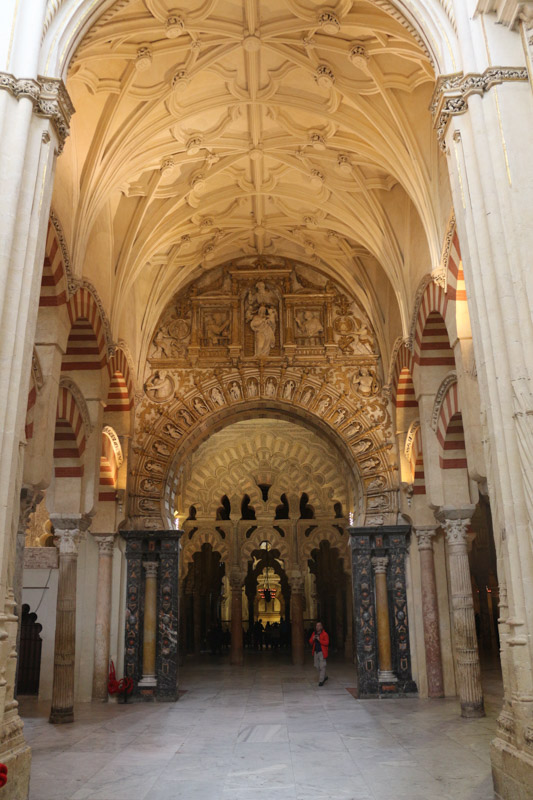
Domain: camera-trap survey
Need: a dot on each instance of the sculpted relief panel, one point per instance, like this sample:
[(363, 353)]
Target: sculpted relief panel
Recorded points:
[(275, 332)]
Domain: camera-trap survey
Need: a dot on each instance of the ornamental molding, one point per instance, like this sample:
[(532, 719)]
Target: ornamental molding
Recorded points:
[(442, 391), (508, 12), (68, 383), (451, 94), (414, 427), (49, 97), (71, 281), (387, 388), (83, 283), (115, 444), (447, 244), (36, 371)]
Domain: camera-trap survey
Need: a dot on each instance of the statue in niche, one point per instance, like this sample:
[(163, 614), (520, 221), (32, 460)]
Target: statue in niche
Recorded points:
[(340, 416), (262, 316), (161, 448), (159, 387), (270, 387), (149, 486), (370, 464), (146, 504), (186, 417), (364, 382), (172, 431), (171, 339), (288, 390), (353, 429), (217, 397), (362, 447), (252, 388), (263, 324), (309, 326), (376, 483), (162, 345), (235, 391), (307, 397), (153, 467), (324, 405), (216, 328), (200, 406), (376, 503)]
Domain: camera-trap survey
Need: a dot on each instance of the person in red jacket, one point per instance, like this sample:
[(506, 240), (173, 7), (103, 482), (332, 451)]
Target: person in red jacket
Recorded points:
[(320, 642)]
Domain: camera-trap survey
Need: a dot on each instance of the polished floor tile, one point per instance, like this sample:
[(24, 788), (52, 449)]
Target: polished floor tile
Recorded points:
[(261, 731)]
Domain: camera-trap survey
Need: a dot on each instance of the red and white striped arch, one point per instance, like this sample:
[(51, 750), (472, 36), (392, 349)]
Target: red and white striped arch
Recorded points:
[(121, 394), (69, 439), (450, 432), (432, 343), (86, 346), (403, 391), (455, 277), (54, 280)]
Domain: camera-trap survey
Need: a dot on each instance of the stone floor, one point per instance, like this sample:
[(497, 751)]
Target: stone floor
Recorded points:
[(261, 732)]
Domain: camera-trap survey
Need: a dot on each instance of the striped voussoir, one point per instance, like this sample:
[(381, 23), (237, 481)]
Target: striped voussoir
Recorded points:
[(417, 462), (450, 432), (120, 395), (69, 440), (53, 282), (456, 278), (403, 391), (86, 347)]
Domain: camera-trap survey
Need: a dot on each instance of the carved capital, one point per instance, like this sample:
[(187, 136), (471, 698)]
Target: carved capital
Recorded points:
[(425, 535), (105, 545), (151, 568), (380, 564), (451, 94), (49, 97), (68, 542), (235, 581), (455, 522)]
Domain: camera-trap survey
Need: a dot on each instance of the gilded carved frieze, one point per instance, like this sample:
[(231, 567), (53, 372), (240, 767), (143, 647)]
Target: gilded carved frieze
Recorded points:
[(274, 334)]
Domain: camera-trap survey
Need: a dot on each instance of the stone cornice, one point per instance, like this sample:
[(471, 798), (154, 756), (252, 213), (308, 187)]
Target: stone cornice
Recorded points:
[(508, 12), (451, 94), (49, 97)]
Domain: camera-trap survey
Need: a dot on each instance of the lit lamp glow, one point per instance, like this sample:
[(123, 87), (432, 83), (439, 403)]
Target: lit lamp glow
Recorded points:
[(350, 518), (177, 520)]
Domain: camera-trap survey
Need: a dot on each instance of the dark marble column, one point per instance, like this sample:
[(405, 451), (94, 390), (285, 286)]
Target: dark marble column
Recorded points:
[(153, 548), (369, 543), (236, 653)]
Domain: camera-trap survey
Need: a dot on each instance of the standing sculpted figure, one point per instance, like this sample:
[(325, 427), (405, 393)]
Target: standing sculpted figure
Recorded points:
[(263, 324)]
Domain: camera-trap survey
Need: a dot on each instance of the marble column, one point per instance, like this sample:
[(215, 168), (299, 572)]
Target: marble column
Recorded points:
[(348, 643), (197, 621), (297, 621), (103, 616), (236, 653), (455, 524), (385, 673), (430, 610), (68, 532), (149, 624)]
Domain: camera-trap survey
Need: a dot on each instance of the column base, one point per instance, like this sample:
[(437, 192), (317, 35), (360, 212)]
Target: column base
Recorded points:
[(58, 716), (147, 682), (472, 710), (512, 771), (16, 755)]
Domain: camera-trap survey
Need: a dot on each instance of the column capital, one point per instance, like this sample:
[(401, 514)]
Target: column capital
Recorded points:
[(455, 522), (105, 542), (70, 522), (236, 580), (49, 97), (380, 564), (296, 581), (425, 535), (151, 568)]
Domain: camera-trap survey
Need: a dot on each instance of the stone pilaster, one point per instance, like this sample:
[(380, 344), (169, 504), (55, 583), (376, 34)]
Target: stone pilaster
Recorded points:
[(149, 624), (69, 531), (297, 619), (385, 673), (430, 610), (455, 524), (236, 653), (103, 616)]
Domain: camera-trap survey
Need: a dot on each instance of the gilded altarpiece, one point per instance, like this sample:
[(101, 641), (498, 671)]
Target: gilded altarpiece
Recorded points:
[(263, 334)]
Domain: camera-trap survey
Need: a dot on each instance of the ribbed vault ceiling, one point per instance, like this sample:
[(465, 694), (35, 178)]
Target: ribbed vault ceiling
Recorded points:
[(242, 127)]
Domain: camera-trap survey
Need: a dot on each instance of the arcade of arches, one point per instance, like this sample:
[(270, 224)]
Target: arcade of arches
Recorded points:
[(265, 354)]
